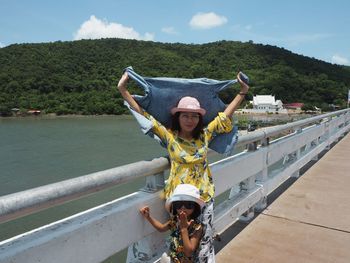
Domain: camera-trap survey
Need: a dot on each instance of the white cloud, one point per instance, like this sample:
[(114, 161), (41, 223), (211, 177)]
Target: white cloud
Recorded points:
[(95, 28), (207, 20), (148, 36), (2, 45), (337, 59), (169, 30)]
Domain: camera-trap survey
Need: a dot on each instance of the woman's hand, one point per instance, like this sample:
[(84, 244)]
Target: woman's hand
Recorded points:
[(244, 86), (231, 108), (126, 95), (145, 211), (123, 81)]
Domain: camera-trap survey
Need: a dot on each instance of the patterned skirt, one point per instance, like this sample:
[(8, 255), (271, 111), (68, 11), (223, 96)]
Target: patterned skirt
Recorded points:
[(206, 252)]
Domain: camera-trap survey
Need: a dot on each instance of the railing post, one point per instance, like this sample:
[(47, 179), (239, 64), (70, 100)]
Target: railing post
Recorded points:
[(154, 183), (327, 134), (252, 146), (338, 127), (314, 144), (247, 185), (149, 248), (296, 174), (263, 176)]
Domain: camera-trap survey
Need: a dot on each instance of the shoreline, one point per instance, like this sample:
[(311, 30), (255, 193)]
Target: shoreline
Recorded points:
[(55, 116)]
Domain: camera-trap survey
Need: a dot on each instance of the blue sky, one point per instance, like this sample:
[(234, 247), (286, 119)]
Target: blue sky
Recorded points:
[(314, 28)]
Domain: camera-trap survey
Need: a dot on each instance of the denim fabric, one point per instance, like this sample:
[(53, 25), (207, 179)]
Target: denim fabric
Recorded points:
[(162, 94), (145, 125)]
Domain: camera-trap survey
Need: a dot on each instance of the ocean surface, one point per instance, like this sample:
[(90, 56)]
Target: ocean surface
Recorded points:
[(36, 151)]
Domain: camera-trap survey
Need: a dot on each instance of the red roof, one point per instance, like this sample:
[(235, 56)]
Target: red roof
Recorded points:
[(294, 105)]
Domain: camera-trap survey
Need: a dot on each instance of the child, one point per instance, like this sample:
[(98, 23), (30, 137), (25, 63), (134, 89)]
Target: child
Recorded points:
[(184, 207)]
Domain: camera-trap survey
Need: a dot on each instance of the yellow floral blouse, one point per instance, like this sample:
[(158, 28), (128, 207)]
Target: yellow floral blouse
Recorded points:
[(189, 164)]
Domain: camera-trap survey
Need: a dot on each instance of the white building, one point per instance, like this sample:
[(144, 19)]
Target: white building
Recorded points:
[(266, 103)]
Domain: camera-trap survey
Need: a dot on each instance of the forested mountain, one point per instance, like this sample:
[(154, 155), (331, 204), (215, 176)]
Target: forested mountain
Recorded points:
[(81, 76)]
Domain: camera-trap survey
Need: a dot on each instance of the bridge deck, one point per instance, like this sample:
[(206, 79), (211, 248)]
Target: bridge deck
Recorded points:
[(310, 222)]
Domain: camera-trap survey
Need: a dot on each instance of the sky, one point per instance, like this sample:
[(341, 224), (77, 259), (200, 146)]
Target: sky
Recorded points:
[(313, 28)]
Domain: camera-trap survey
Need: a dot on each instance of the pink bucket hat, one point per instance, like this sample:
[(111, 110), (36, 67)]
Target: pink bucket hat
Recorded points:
[(188, 104)]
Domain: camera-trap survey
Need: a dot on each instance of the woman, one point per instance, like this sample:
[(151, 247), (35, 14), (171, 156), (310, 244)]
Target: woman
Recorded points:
[(187, 144)]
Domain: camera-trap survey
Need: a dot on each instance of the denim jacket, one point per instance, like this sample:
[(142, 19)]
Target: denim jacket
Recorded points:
[(162, 94)]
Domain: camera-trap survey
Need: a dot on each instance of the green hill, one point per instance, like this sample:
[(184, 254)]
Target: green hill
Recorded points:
[(81, 76)]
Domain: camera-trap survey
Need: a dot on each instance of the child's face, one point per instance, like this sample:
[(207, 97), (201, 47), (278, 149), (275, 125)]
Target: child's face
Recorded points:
[(184, 206)]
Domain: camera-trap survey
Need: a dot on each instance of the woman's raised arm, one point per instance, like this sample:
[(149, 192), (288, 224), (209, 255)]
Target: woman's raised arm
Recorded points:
[(122, 87), (231, 108)]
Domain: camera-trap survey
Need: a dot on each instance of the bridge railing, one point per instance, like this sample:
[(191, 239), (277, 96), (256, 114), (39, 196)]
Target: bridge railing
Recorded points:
[(273, 155)]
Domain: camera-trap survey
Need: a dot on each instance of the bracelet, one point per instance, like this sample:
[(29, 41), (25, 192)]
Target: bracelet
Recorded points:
[(242, 93)]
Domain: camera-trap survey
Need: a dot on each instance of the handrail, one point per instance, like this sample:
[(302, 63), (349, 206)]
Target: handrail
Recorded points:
[(268, 132), (33, 200), (39, 198)]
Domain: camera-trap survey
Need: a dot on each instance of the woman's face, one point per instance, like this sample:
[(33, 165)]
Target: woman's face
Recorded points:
[(188, 121)]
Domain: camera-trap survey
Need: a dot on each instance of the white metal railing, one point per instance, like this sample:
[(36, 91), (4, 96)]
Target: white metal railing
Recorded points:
[(98, 233)]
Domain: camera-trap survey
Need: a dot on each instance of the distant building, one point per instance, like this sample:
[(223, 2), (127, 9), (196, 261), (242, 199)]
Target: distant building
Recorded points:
[(294, 106), (15, 111), (34, 112), (266, 104)]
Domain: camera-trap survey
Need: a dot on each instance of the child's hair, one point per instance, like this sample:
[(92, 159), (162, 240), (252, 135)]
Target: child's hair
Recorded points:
[(175, 125), (196, 211)]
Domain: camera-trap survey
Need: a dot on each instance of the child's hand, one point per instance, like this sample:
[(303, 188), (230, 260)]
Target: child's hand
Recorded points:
[(183, 220), (145, 211)]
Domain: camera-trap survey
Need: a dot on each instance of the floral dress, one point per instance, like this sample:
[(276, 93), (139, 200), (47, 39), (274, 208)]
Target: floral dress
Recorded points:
[(176, 248), (188, 158)]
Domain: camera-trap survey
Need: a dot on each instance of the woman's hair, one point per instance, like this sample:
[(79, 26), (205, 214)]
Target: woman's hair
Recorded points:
[(175, 125), (196, 211)]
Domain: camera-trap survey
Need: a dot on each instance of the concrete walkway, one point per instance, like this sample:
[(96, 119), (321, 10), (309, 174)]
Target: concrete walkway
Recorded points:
[(310, 222)]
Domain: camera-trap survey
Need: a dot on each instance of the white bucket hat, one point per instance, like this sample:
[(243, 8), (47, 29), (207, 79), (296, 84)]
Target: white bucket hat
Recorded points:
[(184, 192)]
